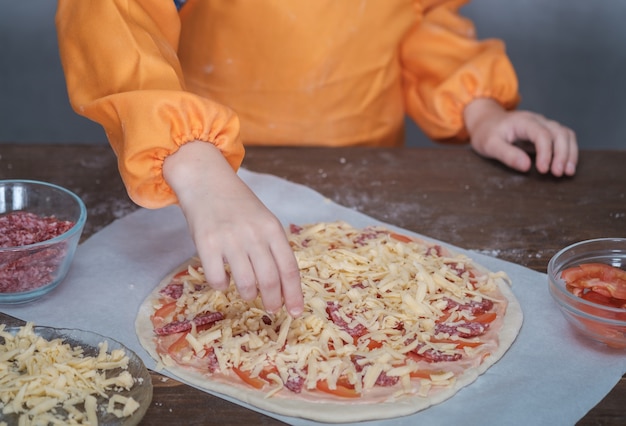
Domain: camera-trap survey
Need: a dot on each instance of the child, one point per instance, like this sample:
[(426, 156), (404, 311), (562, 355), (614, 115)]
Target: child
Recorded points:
[(180, 92)]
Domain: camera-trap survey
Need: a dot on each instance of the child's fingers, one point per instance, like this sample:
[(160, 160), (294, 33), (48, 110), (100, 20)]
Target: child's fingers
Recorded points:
[(542, 138), (555, 146), (268, 279), (270, 270), (289, 278), (565, 150), (570, 166), (213, 267), (511, 156), (560, 154), (243, 275)]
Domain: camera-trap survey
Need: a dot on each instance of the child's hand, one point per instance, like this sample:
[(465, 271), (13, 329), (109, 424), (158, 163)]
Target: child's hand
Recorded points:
[(494, 130), (230, 224)]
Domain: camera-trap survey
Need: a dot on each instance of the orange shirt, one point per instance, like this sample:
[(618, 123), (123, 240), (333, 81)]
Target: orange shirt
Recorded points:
[(270, 72)]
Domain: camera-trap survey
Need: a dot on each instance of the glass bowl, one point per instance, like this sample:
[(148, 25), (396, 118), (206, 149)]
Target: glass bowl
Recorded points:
[(141, 392), (577, 281), (40, 227)]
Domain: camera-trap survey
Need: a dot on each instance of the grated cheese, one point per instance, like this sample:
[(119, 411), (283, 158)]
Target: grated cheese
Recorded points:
[(37, 377), (396, 290)]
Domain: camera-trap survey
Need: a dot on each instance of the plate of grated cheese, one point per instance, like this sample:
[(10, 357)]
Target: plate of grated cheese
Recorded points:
[(69, 376)]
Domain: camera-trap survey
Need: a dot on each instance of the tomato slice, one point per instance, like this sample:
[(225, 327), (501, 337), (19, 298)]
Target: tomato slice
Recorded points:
[(267, 370), (604, 279), (486, 318), (424, 374), (413, 356), (343, 381), (400, 237), (459, 343), (165, 310), (593, 270), (374, 344), (341, 389), (371, 344), (180, 274), (255, 382), (601, 299), (175, 350), (444, 317)]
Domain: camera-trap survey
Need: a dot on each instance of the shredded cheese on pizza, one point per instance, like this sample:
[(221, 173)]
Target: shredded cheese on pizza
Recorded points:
[(385, 315), (38, 377)]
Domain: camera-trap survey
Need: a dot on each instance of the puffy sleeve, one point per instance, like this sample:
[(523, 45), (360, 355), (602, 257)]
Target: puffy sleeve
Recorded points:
[(121, 68), (444, 67)]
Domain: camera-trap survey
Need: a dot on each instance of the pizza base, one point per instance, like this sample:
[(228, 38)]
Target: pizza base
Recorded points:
[(327, 408)]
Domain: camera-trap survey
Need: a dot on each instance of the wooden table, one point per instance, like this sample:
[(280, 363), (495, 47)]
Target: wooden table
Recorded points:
[(449, 194)]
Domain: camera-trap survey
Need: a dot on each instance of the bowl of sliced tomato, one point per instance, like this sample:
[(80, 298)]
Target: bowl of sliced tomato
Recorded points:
[(587, 280)]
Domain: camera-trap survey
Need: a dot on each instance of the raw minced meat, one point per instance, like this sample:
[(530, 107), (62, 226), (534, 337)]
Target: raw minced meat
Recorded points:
[(23, 228), (29, 269)]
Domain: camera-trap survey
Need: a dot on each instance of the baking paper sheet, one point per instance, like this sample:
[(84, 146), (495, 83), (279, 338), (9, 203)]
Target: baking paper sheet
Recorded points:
[(550, 375)]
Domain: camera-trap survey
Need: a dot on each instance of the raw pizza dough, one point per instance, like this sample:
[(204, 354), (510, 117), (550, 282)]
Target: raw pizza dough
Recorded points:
[(381, 402)]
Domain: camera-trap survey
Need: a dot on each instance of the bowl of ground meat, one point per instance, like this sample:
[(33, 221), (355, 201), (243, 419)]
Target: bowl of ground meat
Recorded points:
[(40, 227)]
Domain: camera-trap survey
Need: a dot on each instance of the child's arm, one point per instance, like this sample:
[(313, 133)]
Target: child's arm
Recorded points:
[(445, 67), (457, 86), (493, 130), (230, 224), (126, 76)]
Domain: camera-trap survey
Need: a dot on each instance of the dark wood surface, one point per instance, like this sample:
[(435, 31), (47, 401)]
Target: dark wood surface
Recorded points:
[(449, 194)]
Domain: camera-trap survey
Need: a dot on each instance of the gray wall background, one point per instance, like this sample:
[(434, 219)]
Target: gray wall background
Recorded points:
[(570, 56)]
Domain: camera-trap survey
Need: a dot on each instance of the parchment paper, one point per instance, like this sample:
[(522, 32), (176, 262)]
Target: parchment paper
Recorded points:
[(550, 375)]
